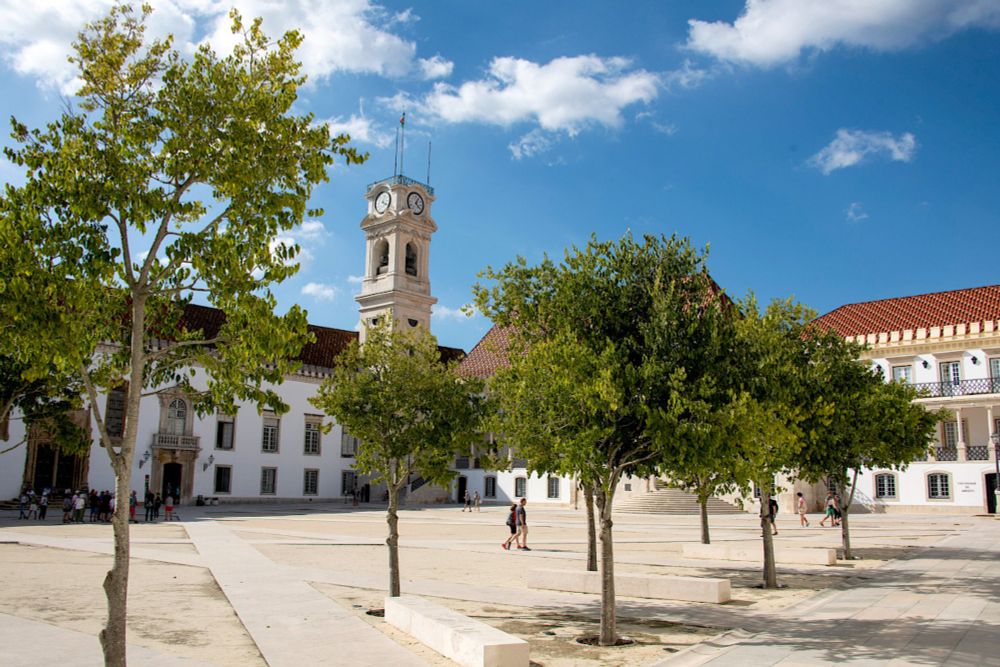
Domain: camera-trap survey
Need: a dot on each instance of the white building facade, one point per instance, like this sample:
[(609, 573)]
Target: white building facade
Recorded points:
[(947, 345)]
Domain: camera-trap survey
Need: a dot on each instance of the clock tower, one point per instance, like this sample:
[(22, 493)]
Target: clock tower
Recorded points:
[(398, 230)]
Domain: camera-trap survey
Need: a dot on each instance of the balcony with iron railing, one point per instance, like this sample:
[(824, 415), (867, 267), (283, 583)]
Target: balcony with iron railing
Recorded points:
[(962, 388), (171, 441), (968, 453)]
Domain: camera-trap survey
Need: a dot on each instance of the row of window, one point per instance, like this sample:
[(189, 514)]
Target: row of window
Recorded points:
[(948, 371), (938, 486), (521, 487), (269, 481)]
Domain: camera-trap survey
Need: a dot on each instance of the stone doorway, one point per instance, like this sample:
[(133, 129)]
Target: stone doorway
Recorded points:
[(45, 466), (173, 467), (172, 475)]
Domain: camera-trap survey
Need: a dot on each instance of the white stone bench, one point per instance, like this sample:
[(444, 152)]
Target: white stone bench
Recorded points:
[(464, 640), (661, 587), (754, 552)]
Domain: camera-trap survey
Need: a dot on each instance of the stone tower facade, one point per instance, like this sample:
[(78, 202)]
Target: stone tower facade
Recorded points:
[(398, 229)]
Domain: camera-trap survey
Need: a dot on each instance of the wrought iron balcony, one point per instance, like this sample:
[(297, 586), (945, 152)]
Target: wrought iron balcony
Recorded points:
[(946, 453), (170, 441), (977, 453), (963, 388)]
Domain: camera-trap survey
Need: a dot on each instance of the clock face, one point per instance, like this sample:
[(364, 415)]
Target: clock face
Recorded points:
[(415, 202), (382, 202)]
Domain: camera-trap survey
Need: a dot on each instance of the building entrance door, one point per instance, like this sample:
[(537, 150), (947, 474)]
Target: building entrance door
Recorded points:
[(172, 481), (991, 495), (463, 485)]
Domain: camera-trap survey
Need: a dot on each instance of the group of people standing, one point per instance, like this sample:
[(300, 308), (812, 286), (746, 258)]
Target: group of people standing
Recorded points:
[(101, 506), (471, 501), (153, 503)]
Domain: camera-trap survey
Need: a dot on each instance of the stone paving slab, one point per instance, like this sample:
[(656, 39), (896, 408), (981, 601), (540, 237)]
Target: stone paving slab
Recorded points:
[(291, 622), (27, 642)]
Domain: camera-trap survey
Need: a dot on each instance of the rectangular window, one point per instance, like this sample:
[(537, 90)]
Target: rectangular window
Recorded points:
[(348, 445), (461, 463), (902, 374), (950, 433), (938, 486), (951, 372), (312, 438), (520, 487), (310, 482), (224, 432), (490, 489), (348, 479), (268, 481), (553, 487), (223, 479), (269, 438), (885, 486), (114, 413)]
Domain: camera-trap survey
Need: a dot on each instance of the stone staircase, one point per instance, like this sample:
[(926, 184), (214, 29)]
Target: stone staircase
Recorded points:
[(665, 500)]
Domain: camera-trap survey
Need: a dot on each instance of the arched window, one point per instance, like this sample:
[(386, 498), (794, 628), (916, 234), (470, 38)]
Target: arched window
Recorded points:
[(381, 257), (176, 417), (885, 486), (939, 486), (411, 260)]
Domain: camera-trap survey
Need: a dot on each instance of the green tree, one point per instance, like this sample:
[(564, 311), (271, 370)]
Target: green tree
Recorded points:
[(411, 412), (174, 178), (46, 402), (575, 397), (870, 423)]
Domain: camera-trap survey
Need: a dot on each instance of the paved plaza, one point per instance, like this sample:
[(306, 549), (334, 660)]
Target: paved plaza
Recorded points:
[(291, 584)]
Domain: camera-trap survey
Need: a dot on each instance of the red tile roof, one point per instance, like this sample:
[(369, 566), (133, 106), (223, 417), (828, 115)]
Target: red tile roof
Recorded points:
[(489, 354), (964, 306), (322, 352)]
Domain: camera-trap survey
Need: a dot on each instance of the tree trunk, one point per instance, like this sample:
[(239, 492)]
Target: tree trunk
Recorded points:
[(845, 531), (588, 494), (609, 631), (116, 581), (703, 507), (393, 542), (770, 573)]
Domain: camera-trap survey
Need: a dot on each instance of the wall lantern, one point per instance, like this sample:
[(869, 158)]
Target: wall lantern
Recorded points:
[(210, 461), (145, 457), (975, 360), (926, 364)]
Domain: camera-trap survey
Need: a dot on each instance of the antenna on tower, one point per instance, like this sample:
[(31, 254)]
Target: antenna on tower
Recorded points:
[(402, 140), (428, 163)]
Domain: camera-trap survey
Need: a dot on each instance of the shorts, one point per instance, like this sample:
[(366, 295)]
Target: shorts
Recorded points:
[(831, 512), (513, 530)]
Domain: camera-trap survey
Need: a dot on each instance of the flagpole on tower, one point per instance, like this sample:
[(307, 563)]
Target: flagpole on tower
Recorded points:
[(395, 157)]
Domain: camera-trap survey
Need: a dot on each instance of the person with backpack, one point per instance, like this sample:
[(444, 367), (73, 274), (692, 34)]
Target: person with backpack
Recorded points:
[(512, 524), (772, 512)]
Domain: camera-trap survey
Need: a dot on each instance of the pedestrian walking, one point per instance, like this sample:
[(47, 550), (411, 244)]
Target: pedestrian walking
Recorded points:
[(132, 502), (838, 516), (67, 507), (468, 501), (772, 513), (522, 526), (168, 507), (157, 502), (32, 506), (475, 500), (830, 513), (148, 506), (22, 507), (43, 506), (512, 524), (801, 506)]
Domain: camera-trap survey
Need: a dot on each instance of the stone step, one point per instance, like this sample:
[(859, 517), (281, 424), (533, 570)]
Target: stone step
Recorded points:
[(672, 501)]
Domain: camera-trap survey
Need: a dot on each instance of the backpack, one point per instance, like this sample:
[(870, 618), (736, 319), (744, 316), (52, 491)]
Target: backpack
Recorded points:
[(512, 519)]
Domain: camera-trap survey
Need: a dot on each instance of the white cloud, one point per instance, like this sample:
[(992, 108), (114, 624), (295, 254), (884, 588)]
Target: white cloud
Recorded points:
[(302, 257), (361, 128), (355, 280), (353, 36), (771, 32), (310, 230), (320, 291), (567, 94), (668, 129), (435, 67), (852, 147), (687, 76), (531, 144), (460, 314), (856, 212)]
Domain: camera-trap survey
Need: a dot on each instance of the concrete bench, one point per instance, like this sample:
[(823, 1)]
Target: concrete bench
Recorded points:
[(661, 587), (754, 552), (464, 640)]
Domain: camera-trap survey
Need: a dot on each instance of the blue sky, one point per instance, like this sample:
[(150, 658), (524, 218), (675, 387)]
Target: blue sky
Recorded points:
[(834, 150)]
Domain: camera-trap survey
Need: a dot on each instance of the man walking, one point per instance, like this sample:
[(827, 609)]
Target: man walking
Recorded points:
[(522, 526)]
